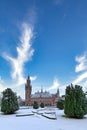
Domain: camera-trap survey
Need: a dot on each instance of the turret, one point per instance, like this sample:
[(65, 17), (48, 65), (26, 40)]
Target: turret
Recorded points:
[(58, 93)]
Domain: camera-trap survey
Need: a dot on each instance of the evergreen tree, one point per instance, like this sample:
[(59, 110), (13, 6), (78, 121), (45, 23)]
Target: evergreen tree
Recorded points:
[(60, 104), (75, 102), (9, 103), (35, 105), (42, 105)]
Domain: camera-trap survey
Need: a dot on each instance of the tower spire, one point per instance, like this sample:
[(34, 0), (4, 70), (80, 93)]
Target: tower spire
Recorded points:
[(28, 81), (58, 91)]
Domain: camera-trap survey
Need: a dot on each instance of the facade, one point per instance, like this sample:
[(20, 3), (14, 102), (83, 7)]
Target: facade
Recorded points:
[(41, 97)]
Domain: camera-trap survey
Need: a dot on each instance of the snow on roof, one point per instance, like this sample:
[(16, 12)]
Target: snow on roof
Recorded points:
[(41, 94)]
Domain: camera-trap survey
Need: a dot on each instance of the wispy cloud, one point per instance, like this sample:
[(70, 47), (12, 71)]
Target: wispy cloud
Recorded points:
[(32, 78), (32, 15), (81, 67), (58, 2), (24, 54), (55, 85), (1, 81), (82, 60), (80, 78), (2, 86)]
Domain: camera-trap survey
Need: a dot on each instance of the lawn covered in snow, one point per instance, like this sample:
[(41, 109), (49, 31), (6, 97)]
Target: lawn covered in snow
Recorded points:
[(39, 122)]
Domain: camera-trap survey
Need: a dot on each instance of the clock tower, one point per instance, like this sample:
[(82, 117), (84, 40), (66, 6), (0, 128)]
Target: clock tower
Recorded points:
[(28, 89)]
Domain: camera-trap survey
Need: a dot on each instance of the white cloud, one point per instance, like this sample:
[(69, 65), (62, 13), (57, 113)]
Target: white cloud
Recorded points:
[(2, 86), (81, 67), (24, 54), (80, 78), (55, 85), (82, 60), (1, 81), (85, 85), (33, 78)]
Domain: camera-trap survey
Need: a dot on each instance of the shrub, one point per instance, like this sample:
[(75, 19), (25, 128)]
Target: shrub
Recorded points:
[(60, 104), (35, 105), (42, 105), (75, 102), (9, 103)]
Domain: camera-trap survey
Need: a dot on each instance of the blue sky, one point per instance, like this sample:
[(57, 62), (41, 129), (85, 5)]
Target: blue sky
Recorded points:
[(46, 39)]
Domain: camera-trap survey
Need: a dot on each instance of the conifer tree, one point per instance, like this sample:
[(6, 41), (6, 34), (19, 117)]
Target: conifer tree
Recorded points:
[(9, 103), (60, 104), (42, 105), (35, 105), (75, 102)]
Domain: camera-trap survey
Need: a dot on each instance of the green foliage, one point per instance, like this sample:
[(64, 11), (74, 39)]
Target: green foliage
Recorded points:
[(75, 102), (35, 105), (9, 103), (42, 105), (86, 105), (60, 104)]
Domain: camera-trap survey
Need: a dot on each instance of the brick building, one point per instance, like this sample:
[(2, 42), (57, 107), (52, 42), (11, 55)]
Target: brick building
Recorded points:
[(41, 97)]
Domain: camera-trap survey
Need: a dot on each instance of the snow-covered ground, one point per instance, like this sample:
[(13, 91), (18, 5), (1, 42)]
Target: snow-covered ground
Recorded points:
[(38, 122)]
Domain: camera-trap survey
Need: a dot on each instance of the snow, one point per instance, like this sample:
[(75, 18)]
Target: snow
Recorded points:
[(38, 122)]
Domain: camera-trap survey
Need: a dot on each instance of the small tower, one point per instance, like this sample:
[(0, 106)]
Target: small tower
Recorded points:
[(28, 89), (58, 93)]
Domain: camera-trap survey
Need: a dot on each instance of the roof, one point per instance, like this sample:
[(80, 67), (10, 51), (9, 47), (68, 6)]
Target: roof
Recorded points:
[(41, 94)]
